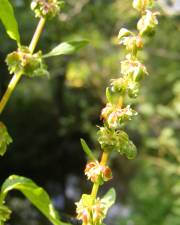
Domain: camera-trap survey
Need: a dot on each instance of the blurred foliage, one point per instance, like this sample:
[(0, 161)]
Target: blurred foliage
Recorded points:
[(47, 117)]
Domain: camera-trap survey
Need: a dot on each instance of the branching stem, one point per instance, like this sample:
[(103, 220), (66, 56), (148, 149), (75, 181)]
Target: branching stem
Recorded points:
[(16, 77)]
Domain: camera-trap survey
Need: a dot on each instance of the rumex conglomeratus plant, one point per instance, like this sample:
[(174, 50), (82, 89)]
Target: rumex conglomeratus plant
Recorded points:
[(25, 62), (92, 210)]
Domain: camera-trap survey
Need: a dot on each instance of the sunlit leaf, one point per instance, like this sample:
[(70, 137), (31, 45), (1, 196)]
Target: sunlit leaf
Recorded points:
[(5, 139), (8, 19), (109, 199), (35, 194), (66, 48)]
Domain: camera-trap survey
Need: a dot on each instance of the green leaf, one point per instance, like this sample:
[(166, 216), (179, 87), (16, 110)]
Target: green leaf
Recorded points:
[(109, 199), (87, 150), (109, 95), (5, 213), (36, 195), (8, 19), (66, 48), (5, 139)]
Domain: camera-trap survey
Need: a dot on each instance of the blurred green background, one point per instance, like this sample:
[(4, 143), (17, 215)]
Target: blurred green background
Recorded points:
[(47, 117)]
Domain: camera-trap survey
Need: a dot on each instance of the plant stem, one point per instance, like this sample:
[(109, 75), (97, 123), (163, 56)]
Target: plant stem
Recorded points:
[(9, 90), (37, 34), (16, 77), (95, 187)]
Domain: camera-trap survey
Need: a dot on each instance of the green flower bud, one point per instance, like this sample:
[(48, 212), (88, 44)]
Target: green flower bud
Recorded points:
[(5, 213), (141, 5), (133, 89), (46, 8), (5, 139), (119, 85), (130, 150), (147, 24), (124, 33), (132, 43), (29, 64), (128, 39), (133, 69), (112, 140)]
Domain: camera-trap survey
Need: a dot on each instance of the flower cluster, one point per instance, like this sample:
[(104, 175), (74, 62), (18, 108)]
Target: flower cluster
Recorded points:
[(98, 173), (118, 141), (46, 8), (115, 116), (5, 139), (90, 212), (25, 62)]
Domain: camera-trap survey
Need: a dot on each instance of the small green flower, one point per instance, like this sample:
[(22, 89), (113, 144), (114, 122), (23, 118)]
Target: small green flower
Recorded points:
[(132, 42), (141, 5), (134, 69), (119, 85), (46, 8), (114, 116), (98, 173), (148, 22), (90, 212), (5, 139), (27, 63), (133, 89)]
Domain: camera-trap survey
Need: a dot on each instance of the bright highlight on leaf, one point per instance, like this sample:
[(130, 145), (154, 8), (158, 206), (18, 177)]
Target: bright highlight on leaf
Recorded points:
[(87, 150), (36, 195), (109, 199), (5, 139), (9, 21), (67, 48)]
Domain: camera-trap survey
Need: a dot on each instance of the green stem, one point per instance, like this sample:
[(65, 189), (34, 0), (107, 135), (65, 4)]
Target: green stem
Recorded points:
[(95, 187), (9, 90), (37, 34), (16, 77)]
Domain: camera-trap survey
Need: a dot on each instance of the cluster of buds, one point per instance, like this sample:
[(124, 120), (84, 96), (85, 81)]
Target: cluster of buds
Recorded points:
[(46, 8), (98, 173), (90, 212), (23, 61), (116, 140), (5, 139)]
